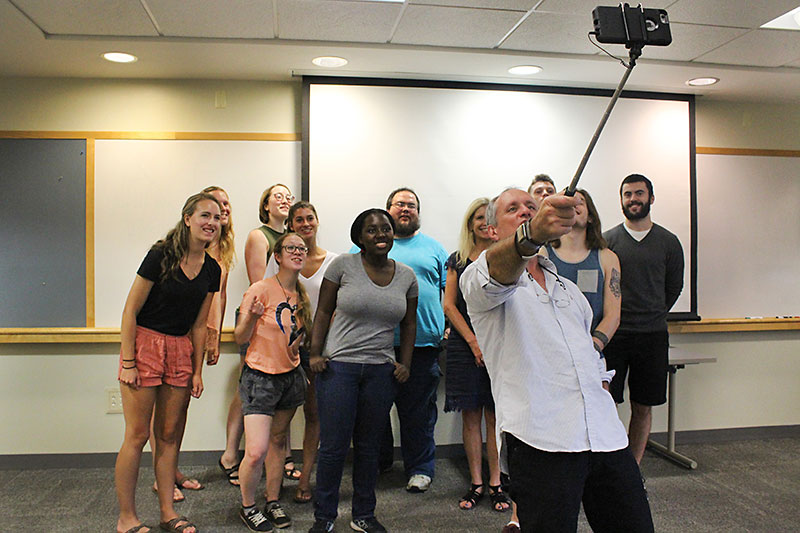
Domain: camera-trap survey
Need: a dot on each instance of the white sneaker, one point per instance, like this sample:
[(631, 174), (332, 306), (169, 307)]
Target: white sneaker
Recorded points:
[(418, 483)]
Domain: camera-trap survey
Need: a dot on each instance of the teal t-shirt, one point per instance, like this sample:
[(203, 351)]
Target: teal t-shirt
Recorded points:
[(427, 259)]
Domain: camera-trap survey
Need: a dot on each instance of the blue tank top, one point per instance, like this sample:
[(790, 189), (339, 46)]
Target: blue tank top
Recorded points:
[(587, 275)]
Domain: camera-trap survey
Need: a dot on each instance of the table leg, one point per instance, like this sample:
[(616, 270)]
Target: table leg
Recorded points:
[(668, 451)]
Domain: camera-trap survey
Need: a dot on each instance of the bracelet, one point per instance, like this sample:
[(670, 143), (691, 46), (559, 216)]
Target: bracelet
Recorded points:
[(129, 360), (128, 367), (599, 335)]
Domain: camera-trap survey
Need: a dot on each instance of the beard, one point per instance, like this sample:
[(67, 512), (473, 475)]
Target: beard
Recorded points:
[(407, 229), (643, 212)]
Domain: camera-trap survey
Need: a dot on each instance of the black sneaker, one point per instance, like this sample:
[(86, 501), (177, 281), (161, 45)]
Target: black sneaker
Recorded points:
[(254, 519), (277, 515), (321, 526), (367, 525)]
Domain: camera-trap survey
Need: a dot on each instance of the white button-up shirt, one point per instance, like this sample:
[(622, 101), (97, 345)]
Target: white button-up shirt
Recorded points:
[(546, 375)]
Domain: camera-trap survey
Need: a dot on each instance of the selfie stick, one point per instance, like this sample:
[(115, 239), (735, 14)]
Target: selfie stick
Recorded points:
[(635, 52)]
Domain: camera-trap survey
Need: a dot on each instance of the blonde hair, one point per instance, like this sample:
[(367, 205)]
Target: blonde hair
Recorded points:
[(303, 303), (176, 244), (225, 245), (466, 239)]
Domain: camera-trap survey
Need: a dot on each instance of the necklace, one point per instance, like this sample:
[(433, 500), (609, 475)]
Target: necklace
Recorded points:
[(281, 307)]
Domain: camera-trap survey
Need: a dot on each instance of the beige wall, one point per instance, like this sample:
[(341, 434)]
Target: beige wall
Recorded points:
[(148, 105), (53, 397), (747, 125)]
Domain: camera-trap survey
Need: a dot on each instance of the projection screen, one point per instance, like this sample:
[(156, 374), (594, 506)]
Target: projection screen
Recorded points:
[(454, 142)]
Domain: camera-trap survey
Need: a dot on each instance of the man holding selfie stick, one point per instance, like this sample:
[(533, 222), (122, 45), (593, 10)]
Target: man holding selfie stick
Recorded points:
[(559, 432)]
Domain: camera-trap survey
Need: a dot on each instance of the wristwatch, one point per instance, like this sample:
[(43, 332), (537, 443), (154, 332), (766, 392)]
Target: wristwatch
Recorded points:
[(526, 247)]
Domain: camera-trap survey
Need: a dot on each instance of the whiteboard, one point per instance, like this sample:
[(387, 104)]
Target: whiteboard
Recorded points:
[(452, 145), (748, 236), (140, 188)]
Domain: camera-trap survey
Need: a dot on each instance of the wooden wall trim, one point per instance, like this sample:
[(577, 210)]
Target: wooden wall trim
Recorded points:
[(90, 311), (152, 135), (747, 151), (112, 335), (71, 335)]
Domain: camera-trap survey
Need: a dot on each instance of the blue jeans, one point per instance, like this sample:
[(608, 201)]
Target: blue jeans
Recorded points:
[(416, 409), (353, 401)]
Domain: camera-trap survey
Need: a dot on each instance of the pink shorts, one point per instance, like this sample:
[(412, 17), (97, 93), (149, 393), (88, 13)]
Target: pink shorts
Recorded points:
[(162, 358)]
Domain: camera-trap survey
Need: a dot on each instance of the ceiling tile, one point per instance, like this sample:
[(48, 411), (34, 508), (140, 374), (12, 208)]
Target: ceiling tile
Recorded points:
[(690, 41), (515, 5), (759, 48), (585, 7), (737, 13), (551, 32), (89, 17), (454, 26), (236, 19), (331, 20)]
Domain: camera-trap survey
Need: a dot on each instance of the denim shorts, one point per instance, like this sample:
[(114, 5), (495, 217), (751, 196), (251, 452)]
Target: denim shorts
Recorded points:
[(263, 394)]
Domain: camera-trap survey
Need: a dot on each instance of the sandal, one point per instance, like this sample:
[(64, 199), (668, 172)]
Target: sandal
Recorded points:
[(292, 473), (136, 529), (472, 497), (189, 483), (500, 500), (231, 473), (302, 495), (172, 525), (177, 495)]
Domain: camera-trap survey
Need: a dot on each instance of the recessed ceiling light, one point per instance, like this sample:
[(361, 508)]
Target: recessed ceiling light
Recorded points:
[(700, 82), (119, 57), (525, 70), (329, 61), (787, 21)]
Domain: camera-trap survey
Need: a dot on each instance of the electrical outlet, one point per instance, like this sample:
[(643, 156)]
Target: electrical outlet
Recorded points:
[(113, 400), (220, 100)]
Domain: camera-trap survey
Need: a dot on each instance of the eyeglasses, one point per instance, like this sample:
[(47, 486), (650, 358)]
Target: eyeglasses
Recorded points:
[(291, 248), (405, 205), (279, 196), (546, 298)]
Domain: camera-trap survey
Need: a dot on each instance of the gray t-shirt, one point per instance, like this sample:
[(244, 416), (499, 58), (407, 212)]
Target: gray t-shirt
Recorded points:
[(366, 314)]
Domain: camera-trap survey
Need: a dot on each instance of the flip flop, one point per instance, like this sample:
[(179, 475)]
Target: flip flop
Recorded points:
[(172, 525), (193, 484), (136, 529), (231, 473), (177, 495), (302, 495)]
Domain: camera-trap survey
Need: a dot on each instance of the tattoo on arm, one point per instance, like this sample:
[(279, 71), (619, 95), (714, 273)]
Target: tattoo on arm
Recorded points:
[(614, 283)]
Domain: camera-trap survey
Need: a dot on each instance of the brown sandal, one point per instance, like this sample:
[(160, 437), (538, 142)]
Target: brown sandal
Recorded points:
[(193, 484), (177, 494), (172, 525), (302, 495), (136, 529)]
